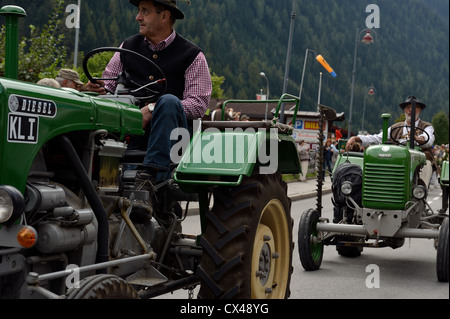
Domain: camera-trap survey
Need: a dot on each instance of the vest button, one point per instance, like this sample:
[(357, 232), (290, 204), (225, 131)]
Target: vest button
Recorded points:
[(155, 56), (151, 77)]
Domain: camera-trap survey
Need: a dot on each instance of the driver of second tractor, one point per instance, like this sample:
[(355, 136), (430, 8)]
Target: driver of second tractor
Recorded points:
[(424, 136), (188, 83)]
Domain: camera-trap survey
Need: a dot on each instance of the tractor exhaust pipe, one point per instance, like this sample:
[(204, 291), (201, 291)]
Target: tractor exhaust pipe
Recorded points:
[(12, 14)]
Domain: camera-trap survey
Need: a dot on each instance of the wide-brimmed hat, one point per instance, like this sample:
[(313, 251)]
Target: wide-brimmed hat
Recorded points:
[(409, 100), (69, 74), (170, 4)]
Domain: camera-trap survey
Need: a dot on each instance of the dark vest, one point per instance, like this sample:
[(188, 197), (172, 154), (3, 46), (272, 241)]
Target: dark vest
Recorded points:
[(422, 125), (172, 60)]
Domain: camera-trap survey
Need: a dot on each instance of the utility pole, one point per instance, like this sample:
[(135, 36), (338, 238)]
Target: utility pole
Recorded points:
[(77, 32), (288, 60)]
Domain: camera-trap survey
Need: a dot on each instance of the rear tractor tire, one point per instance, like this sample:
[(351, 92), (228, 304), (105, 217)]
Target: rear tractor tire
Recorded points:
[(247, 246)]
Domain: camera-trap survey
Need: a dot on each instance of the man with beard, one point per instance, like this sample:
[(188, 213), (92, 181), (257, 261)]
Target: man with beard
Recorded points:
[(401, 135)]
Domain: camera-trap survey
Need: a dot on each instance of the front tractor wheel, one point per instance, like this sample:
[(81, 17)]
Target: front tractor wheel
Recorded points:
[(310, 248), (248, 242)]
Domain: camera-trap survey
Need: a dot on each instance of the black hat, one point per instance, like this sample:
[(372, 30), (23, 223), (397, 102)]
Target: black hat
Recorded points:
[(409, 100), (170, 4)]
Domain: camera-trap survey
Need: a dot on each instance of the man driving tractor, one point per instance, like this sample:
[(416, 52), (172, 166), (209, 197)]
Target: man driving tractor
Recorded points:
[(400, 132)]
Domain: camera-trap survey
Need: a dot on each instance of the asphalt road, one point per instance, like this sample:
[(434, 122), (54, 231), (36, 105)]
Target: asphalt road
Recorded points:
[(408, 272)]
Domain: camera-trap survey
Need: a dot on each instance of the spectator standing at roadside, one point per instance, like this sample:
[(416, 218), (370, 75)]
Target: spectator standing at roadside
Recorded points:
[(335, 151), (303, 151), (327, 158)]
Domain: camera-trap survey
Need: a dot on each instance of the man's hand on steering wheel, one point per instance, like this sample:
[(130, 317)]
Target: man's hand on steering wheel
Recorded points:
[(123, 78), (97, 87), (419, 139)]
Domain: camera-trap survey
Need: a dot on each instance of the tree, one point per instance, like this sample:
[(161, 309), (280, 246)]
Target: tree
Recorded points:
[(217, 91), (401, 118), (441, 128)]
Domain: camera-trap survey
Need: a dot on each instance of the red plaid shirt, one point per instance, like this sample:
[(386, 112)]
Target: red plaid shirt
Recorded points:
[(197, 88)]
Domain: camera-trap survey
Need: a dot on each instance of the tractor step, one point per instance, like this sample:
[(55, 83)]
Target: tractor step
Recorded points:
[(147, 277)]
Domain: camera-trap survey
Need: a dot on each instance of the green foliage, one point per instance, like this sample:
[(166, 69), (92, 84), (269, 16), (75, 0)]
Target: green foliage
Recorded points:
[(217, 81), (441, 128), (41, 54), (401, 118)]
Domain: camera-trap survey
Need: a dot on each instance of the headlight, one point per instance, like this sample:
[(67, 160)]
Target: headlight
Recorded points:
[(12, 204), (346, 188), (6, 206), (419, 192)]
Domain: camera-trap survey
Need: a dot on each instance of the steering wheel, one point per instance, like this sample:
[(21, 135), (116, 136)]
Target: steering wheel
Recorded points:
[(406, 142), (153, 87)]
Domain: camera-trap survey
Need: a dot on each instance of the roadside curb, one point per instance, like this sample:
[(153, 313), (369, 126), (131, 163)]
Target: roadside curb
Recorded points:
[(309, 195), (295, 197)]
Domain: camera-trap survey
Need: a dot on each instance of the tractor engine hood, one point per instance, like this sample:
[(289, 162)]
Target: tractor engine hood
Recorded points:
[(31, 115)]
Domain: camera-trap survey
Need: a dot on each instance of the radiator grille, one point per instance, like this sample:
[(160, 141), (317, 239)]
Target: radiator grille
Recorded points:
[(384, 185)]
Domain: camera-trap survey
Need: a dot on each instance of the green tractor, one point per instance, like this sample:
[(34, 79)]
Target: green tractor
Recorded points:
[(72, 225), (378, 201)]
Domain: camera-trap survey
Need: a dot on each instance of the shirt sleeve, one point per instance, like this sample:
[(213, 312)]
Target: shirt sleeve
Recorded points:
[(112, 70), (372, 139), (430, 131), (198, 88)]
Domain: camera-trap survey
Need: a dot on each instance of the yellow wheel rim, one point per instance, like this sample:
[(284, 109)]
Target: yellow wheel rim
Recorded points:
[(271, 253)]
